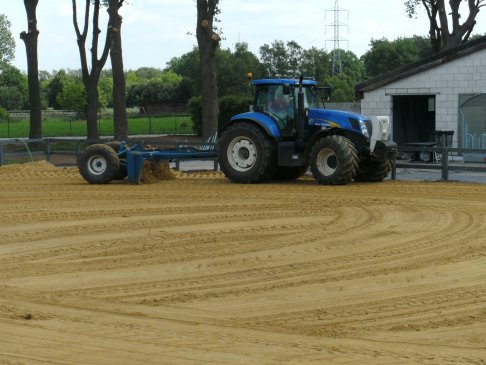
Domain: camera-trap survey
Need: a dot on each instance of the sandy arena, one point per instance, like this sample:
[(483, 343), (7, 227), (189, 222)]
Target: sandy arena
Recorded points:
[(199, 270)]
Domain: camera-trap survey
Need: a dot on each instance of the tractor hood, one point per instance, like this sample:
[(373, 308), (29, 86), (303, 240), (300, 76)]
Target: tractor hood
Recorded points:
[(328, 118), (343, 118)]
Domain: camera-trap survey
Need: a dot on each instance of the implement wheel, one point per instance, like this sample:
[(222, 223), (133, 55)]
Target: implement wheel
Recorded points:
[(122, 171), (333, 160), (98, 164), (246, 154)]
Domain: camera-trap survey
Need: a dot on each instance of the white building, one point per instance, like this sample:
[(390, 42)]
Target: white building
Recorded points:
[(442, 92)]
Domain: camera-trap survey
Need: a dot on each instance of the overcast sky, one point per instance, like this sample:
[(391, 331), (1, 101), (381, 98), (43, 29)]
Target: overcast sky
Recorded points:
[(154, 31)]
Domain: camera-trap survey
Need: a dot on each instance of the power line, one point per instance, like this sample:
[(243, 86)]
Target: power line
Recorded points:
[(336, 54)]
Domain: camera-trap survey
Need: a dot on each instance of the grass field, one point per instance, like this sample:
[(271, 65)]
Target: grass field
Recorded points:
[(180, 124)]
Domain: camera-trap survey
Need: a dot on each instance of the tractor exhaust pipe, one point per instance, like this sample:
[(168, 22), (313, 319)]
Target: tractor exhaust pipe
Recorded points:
[(300, 112)]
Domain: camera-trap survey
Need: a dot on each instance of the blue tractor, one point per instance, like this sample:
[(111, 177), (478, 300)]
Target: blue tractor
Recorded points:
[(286, 133)]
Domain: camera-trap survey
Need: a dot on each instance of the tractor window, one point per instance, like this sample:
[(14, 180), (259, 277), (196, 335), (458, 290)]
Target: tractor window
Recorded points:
[(309, 98), (272, 100)]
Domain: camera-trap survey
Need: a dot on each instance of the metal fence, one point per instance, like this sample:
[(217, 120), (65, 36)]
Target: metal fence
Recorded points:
[(66, 151), (70, 124), (445, 159)]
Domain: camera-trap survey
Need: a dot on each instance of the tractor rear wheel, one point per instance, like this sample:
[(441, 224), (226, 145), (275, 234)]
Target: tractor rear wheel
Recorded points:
[(98, 164), (333, 160), (246, 154), (373, 171)]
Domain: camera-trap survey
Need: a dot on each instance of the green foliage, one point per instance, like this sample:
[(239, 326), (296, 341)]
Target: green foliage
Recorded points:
[(187, 66), (386, 55), (53, 88), (343, 83), (290, 59), (343, 88), (149, 84), (232, 105), (11, 98), (4, 115), (232, 67), (195, 110), (105, 89), (276, 59), (228, 107), (13, 88), (315, 63), (352, 66), (149, 74), (7, 42), (72, 96)]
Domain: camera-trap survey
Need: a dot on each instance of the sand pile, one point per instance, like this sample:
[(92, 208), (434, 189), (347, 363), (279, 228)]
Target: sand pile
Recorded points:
[(155, 171), (37, 166)]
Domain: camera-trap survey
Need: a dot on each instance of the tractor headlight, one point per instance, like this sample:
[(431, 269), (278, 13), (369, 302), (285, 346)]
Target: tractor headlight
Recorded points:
[(364, 129)]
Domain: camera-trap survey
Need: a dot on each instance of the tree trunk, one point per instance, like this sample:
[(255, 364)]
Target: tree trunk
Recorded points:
[(119, 86), (208, 42), (92, 112), (209, 95), (441, 37), (30, 39), (91, 77)]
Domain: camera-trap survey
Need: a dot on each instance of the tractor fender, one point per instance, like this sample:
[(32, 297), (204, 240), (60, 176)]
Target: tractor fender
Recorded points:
[(358, 139), (264, 121)]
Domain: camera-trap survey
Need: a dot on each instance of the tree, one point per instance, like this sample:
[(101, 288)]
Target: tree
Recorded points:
[(208, 41), (385, 55), (105, 90), (161, 86), (444, 36), (275, 58), (91, 75), (233, 67), (7, 42), (54, 88), (352, 72), (13, 88), (315, 63), (72, 96), (119, 85), (30, 39)]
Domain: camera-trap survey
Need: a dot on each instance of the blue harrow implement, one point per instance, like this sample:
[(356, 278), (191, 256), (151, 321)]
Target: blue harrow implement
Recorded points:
[(102, 163)]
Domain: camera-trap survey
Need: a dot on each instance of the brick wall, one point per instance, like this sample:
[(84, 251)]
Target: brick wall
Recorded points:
[(466, 75)]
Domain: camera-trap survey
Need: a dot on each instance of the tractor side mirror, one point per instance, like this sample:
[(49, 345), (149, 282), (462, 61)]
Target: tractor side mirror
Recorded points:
[(326, 91)]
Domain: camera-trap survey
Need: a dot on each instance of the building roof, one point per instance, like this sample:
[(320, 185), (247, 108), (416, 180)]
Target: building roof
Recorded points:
[(422, 65)]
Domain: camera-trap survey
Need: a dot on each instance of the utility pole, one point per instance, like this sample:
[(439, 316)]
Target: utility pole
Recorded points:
[(336, 54)]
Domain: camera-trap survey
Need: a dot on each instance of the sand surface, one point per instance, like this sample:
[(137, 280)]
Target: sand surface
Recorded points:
[(199, 270)]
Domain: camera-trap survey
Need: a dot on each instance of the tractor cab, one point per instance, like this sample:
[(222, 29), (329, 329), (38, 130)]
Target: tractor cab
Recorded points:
[(278, 98)]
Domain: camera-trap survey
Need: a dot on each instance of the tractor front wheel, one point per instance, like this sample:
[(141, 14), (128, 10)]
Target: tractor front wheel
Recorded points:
[(98, 164), (246, 154), (373, 171), (333, 160)]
